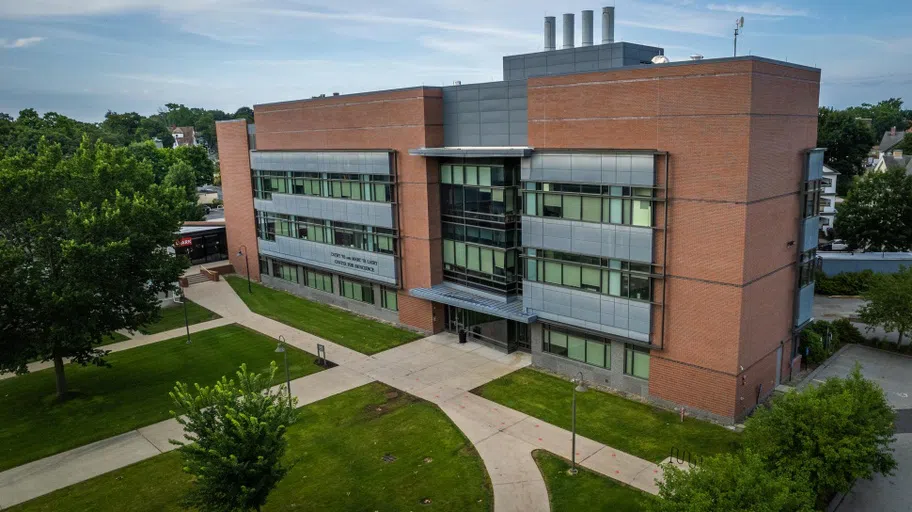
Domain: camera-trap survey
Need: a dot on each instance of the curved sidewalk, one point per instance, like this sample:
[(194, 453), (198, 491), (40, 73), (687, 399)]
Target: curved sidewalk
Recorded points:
[(436, 368)]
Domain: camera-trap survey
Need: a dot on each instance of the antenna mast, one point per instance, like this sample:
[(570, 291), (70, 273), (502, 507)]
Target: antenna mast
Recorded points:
[(739, 24)]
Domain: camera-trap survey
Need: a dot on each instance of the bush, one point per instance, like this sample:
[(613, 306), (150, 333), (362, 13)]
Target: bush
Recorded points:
[(847, 332), (827, 436), (731, 483), (843, 283), (812, 347), (216, 202)]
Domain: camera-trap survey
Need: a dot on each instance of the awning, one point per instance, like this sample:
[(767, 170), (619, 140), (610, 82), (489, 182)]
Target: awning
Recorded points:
[(474, 151), (460, 298)]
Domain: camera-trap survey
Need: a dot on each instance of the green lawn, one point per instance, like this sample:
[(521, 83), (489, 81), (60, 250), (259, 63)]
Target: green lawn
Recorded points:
[(636, 428), (333, 324), (114, 337), (173, 317), (338, 444), (132, 393), (587, 490)]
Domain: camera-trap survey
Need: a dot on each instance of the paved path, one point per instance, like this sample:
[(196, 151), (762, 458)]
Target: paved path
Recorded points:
[(137, 340), (436, 368)]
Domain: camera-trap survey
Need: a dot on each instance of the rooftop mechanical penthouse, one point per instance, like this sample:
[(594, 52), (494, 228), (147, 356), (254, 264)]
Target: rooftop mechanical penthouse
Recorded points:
[(651, 225)]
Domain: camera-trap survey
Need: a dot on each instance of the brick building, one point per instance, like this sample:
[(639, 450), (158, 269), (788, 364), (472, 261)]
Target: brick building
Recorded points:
[(649, 225)]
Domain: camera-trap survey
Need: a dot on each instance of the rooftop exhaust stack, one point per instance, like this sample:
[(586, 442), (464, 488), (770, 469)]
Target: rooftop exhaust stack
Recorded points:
[(550, 33), (568, 30), (607, 25), (587, 28)]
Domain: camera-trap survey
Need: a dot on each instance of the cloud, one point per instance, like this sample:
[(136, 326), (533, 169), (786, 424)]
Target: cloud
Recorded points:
[(22, 42), (765, 9)]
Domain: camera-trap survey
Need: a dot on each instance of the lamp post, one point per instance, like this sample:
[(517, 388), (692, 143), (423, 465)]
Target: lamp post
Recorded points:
[(581, 388), (182, 299), (281, 350), (246, 264)]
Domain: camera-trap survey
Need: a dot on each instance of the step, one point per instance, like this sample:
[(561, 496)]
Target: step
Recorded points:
[(196, 278)]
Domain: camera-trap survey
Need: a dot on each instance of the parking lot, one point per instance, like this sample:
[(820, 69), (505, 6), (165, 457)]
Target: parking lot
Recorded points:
[(894, 374)]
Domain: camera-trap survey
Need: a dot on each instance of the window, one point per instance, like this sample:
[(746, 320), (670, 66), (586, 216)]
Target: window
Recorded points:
[(582, 348), (285, 271), (319, 280), (389, 299), (356, 290), (365, 238), (617, 278), (811, 196), (264, 266), (591, 203), (636, 361), (359, 187), (807, 266)]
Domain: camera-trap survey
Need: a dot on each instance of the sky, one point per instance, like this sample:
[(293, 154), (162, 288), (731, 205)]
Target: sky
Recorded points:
[(84, 57)]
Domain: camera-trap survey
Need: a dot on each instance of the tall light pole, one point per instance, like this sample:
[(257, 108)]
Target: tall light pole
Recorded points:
[(246, 264), (182, 299), (281, 350), (579, 388)]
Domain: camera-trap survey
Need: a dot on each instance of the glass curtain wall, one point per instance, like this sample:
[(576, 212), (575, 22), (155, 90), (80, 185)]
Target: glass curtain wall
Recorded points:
[(481, 223)]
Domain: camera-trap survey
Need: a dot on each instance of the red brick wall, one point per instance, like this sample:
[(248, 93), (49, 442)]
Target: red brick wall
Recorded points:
[(735, 132), (237, 190), (389, 120)]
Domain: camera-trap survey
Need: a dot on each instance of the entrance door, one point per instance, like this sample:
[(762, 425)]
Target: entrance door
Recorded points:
[(779, 365)]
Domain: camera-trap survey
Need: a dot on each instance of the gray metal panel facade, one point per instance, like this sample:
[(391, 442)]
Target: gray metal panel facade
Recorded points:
[(587, 310), (604, 168), (348, 162), (368, 213), (578, 60), (604, 240), (809, 229), (343, 260), (489, 114)]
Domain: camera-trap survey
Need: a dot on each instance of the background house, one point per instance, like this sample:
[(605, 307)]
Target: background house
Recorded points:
[(183, 136), (828, 199)]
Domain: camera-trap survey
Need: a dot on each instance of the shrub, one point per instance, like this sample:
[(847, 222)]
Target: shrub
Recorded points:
[(812, 347), (731, 483), (828, 435), (847, 332), (843, 283)]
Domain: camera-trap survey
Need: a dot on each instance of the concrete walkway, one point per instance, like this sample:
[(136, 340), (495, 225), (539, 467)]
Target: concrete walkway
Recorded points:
[(436, 368), (138, 340)]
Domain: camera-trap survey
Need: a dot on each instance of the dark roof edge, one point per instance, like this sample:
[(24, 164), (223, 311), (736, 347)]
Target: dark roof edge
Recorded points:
[(362, 93)]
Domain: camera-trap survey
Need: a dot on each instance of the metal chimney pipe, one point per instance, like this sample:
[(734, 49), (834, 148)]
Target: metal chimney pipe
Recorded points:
[(587, 28), (607, 25), (550, 33), (568, 30)]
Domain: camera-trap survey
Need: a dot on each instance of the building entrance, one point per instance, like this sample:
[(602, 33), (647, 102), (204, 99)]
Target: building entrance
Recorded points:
[(501, 333)]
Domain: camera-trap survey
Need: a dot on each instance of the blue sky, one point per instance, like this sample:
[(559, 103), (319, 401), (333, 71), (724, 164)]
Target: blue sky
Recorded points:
[(82, 57)]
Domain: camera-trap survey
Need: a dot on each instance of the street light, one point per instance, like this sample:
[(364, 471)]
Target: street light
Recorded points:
[(281, 350), (246, 264), (182, 299), (579, 388)]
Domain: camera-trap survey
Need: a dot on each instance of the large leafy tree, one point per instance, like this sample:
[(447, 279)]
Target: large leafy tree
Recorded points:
[(198, 159), (884, 115), (236, 433), (828, 435), (732, 483), (121, 129), (877, 214), (83, 252), (25, 132), (847, 140), (889, 303), (182, 177)]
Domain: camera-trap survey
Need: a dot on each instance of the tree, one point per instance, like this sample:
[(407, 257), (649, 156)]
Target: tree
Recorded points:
[(198, 159), (732, 483), (906, 144), (236, 433), (181, 177), (848, 142), (159, 159), (244, 113), (828, 435), (889, 303), (877, 214), (121, 129), (83, 251), (884, 116)]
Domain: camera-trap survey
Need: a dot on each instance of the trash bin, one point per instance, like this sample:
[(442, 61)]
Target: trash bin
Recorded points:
[(462, 335)]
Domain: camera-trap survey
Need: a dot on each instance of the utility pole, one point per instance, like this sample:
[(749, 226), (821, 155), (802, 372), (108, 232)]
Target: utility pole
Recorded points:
[(739, 24)]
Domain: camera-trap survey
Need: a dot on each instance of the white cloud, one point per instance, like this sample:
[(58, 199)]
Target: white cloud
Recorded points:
[(765, 9), (22, 42)]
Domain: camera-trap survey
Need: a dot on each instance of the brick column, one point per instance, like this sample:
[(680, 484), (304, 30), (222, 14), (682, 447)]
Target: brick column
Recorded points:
[(237, 190)]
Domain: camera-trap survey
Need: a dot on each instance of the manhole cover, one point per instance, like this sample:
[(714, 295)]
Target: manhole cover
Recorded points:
[(388, 458)]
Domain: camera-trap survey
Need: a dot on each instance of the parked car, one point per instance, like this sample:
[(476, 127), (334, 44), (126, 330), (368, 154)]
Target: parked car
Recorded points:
[(835, 245)]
